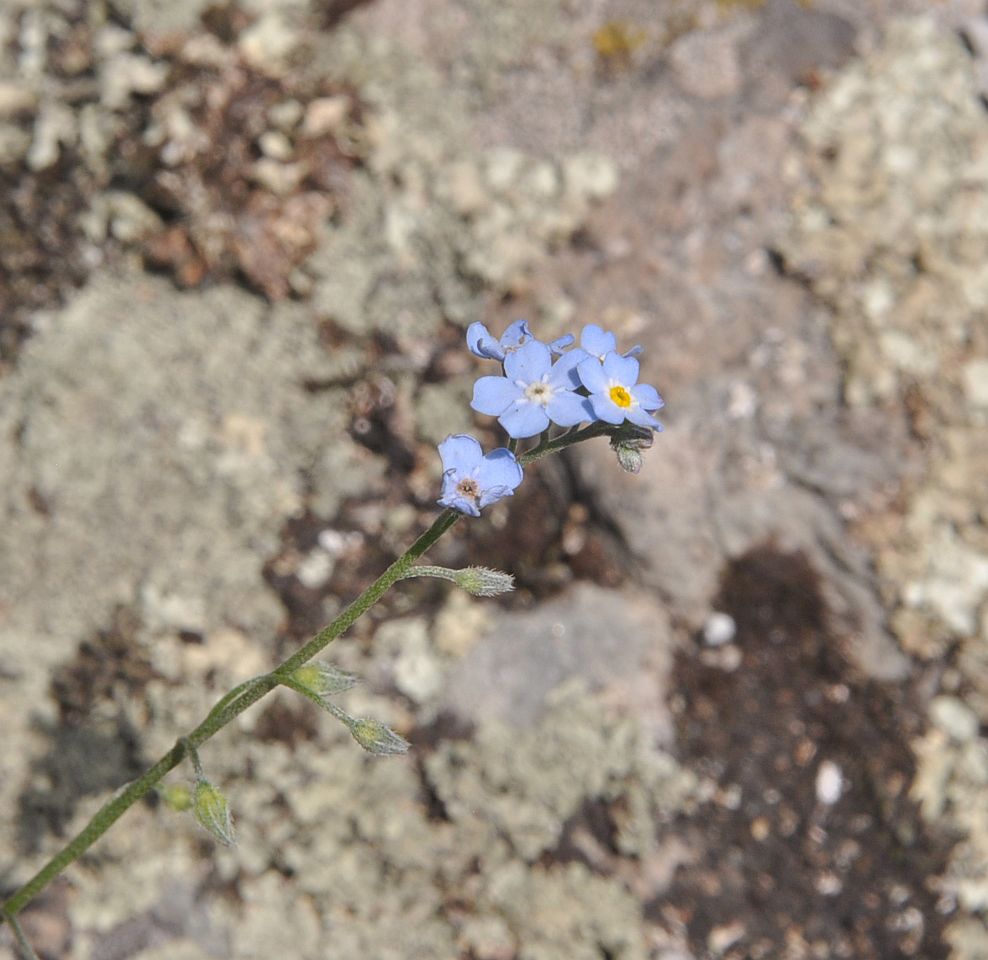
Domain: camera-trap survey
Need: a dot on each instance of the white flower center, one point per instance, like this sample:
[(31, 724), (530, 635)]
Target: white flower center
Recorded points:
[(538, 392), (469, 488)]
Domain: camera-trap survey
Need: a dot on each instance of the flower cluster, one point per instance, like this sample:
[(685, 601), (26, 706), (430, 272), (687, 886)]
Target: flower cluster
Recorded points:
[(541, 385)]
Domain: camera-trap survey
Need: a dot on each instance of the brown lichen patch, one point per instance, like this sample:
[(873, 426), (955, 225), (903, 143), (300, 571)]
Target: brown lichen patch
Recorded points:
[(105, 668), (331, 12), (90, 752), (548, 535), (287, 722), (241, 197), (192, 159), (40, 255), (811, 840)]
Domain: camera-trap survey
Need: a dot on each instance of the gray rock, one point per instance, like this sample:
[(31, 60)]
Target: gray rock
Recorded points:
[(706, 64), (598, 635)]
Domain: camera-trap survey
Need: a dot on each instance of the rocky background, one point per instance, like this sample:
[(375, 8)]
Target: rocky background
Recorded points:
[(738, 705)]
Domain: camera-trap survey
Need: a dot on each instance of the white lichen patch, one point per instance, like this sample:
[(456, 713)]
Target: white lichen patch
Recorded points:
[(890, 225), (152, 444)]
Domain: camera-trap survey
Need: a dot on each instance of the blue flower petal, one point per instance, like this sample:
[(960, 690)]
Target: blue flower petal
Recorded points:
[(634, 351), (501, 469), (524, 419), (597, 341), (622, 369), (482, 344), (592, 376), (568, 409), (515, 336), (561, 343), (460, 453), (647, 396), (641, 418), (563, 374), (529, 362), (493, 395), (606, 409), (493, 494), (457, 502)]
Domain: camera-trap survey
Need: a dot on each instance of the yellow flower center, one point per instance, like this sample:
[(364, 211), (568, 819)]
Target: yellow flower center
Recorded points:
[(620, 396)]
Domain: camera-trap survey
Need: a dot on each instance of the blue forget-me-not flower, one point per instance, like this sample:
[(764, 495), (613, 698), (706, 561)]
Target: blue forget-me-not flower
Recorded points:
[(598, 342), (534, 392), (615, 393), (472, 481), (482, 343)]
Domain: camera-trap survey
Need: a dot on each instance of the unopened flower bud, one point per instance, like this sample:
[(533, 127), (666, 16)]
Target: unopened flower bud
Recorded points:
[(323, 679), (628, 450), (480, 581), (176, 796), (212, 810), (484, 582), (629, 457), (376, 738)]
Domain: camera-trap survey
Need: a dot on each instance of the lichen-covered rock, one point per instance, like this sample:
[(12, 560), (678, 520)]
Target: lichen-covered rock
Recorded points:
[(889, 229), (889, 232), (434, 228), (531, 781), (152, 444)]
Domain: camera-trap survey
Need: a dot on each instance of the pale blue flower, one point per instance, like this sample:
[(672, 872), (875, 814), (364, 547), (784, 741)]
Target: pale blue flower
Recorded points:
[(534, 392), (615, 393), (482, 343), (598, 342), (472, 481)]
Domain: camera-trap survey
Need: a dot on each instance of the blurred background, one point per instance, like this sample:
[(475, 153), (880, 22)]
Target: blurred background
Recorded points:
[(735, 707)]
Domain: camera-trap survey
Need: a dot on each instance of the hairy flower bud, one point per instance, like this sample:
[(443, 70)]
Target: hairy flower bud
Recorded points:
[(323, 679), (484, 582), (479, 581), (628, 449), (376, 738), (212, 810), (629, 457), (176, 796)]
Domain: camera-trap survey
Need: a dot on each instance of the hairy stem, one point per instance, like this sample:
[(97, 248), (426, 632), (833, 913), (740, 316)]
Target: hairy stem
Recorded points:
[(27, 951), (232, 704), (227, 709)]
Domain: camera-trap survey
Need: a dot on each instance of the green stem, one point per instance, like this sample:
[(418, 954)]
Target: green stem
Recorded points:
[(234, 693), (27, 951), (227, 709), (566, 440), (232, 704)]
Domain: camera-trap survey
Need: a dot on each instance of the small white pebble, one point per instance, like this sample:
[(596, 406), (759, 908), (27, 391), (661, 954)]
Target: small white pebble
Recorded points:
[(315, 569), (955, 718), (335, 542), (722, 938), (719, 629), (742, 401), (829, 783), (828, 884), (275, 144)]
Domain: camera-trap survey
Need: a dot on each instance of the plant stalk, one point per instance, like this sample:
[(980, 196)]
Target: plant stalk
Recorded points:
[(232, 704)]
